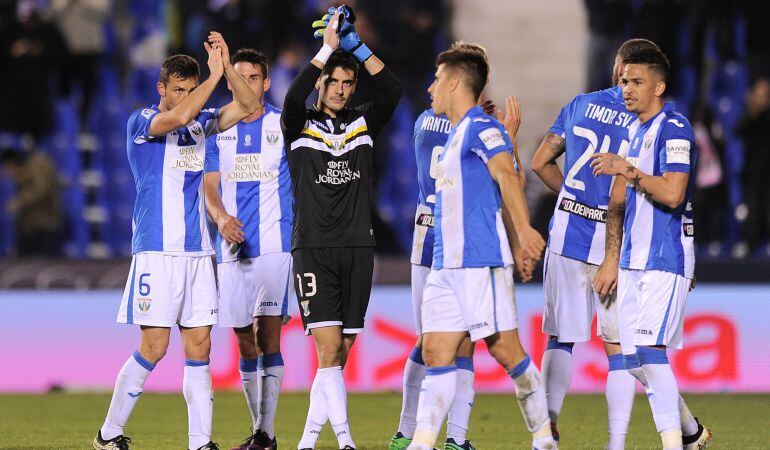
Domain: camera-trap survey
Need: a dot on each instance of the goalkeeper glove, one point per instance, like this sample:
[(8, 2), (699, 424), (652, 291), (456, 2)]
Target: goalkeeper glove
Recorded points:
[(349, 39)]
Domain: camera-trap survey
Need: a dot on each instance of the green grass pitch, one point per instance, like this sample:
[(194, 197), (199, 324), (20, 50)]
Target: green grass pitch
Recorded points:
[(69, 421)]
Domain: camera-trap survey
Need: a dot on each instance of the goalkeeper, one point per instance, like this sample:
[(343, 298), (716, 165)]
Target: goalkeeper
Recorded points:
[(329, 152)]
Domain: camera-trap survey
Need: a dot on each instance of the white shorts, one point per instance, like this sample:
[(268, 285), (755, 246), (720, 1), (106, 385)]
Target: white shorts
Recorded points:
[(419, 277), (570, 301), (651, 308), (164, 290), (254, 287), (475, 300)]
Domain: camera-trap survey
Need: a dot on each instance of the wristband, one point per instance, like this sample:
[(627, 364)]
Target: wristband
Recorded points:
[(324, 54), (362, 53)]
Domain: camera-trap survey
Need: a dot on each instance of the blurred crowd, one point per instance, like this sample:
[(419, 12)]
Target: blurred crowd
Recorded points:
[(78, 67)]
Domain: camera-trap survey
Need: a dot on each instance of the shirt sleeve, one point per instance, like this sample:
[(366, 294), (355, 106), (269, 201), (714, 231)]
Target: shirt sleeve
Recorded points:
[(676, 146), (139, 125), (211, 163), (489, 139), (208, 118), (559, 126)]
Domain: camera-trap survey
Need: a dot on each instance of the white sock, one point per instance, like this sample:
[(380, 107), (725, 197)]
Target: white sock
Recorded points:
[(620, 391), (557, 375), (532, 402), (436, 397), (200, 401), (128, 388), (271, 376), (686, 419), (460, 412), (250, 381), (316, 416), (414, 373), (335, 396), (663, 394)]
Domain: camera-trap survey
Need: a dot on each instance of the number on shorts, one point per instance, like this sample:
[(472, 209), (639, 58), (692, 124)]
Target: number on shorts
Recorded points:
[(309, 281), (144, 287), (593, 142)]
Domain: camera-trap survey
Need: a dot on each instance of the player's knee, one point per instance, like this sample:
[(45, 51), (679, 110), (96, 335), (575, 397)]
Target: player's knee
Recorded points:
[(269, 336), (329, 354), (436, 357), (247, 346), (153, 351)]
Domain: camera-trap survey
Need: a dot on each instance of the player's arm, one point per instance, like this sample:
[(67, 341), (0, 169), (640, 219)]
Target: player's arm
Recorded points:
[(668, 189), (293, 113), (244, 99), (544, 161), (229, 226), (168, 121), (515, 205), (606, 279)]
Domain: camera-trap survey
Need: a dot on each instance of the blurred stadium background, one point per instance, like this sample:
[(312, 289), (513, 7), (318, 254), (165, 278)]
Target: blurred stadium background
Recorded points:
[(72, 70)]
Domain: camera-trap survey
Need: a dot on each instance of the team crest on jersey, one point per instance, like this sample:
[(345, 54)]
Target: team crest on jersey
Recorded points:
[(196, 129), (144, 304), (305, 307), (247, 140), (271, 137), (647, 143)]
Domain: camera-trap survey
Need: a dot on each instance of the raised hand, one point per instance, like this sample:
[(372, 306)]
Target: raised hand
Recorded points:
[(512, 117), (216, 67), (331, 38), (217, 40)]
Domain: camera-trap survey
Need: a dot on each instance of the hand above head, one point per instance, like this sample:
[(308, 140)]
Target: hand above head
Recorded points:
[(216, 67), (216, 40)]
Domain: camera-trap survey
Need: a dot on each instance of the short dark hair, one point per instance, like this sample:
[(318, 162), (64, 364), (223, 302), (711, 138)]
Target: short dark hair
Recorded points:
[(343, 59), (179, 66), (471, 60), (249, 55), (653, 58), (633, 46)]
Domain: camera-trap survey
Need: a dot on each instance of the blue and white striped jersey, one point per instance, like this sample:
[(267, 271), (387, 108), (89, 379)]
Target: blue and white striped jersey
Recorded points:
[(430, 135), (469, 228), (169, 213), (656, 237), (255, 185), (590, 123)]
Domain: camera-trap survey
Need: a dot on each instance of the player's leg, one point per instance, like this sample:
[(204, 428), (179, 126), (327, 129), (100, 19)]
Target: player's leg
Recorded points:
[(567, 316), (443, 331), (621, 385), (660, 325), (414, 369), (153, 303), (329, 345), (236, 306), (198, 314), (460, 412), (438, 387), (317, 287), (499, 307), (272, 276), (130, 383)]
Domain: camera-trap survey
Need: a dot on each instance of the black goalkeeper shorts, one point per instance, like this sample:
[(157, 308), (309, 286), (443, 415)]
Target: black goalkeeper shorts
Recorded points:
[(333, 286)]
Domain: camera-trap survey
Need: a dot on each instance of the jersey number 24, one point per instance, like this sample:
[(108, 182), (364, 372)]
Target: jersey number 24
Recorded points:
[(593, 141)]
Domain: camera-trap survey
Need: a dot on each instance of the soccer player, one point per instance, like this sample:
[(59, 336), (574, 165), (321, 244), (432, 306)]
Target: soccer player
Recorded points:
[(329, 154), (470, 287), (248, 195), (650, 203), (430, 133), (172, 277), (593, 122)]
